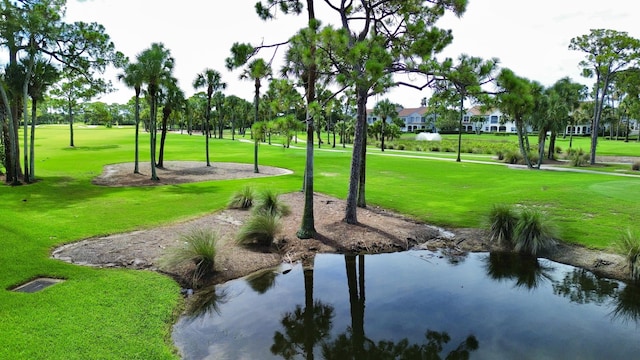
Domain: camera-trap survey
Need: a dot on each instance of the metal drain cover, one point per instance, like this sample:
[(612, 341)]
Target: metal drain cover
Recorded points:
[(37, 285)]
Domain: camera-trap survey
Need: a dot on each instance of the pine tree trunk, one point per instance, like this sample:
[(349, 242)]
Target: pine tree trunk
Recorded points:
[(356, 160), (32, 148), (362, 200)]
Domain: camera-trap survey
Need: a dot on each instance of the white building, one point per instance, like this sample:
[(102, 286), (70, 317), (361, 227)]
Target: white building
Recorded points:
[(474, 120)]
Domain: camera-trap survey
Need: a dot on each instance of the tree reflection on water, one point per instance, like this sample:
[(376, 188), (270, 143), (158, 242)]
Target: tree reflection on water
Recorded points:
[(304, 327), (309, 326), (525, 270)]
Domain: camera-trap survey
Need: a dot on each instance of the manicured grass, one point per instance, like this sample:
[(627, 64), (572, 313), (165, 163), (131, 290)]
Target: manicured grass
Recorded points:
[(103, 313)]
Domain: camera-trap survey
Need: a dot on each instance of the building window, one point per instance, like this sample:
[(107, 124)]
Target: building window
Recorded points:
[(494, 119)]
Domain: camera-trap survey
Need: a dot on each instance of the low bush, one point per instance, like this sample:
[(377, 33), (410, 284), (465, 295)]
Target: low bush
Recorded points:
[(242, 199), (577, 157), (199, 249), (635, 166), (513, 157), (628, 244), (534, 157), (533, 232)]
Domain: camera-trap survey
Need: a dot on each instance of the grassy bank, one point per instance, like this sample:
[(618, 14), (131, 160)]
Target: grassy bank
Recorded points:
[(107, 313)]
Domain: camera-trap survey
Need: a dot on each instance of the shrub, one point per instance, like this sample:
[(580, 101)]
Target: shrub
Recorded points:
[(500, 155), (267, 202), (533, 232), (242, 199), (261, 228), (513, 157), (635, 166), (577, 158), (571, 152), (199, 248), (401, 147), (502, 221), (558, 150), (629, 246), (534, 157)]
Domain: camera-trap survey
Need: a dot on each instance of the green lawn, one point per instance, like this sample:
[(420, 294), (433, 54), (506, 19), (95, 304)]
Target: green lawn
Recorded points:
[(106, 313)]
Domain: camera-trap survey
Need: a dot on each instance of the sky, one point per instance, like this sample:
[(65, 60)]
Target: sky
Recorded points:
[(529, 37)]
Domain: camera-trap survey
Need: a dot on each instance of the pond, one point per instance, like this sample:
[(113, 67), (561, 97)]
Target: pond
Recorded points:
[(415, 305)]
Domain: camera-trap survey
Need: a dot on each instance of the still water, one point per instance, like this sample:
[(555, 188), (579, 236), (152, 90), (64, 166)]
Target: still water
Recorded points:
[(416, 305)]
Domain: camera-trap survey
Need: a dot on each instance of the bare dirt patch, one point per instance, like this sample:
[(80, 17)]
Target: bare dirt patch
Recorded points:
[(378, 231), (180, 172)]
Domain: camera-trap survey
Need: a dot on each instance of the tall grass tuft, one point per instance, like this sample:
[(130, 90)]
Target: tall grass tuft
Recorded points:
[(267, 201), (242, 199), (261, 228), (199, 248), (577, 158), (512, 157), (533, 232), (628, 244), (502, 222)]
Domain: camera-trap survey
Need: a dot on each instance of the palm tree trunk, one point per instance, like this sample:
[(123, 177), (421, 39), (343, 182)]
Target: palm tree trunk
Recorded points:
[(521, 140), (163, 137), (136, 167), (206, 129), (552, 144), (152, 137)]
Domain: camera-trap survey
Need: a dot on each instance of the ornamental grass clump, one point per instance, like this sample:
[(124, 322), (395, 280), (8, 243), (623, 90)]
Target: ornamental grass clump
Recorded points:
[(242, 199), (267, 201), (199, 249), (628, 244), (577, 158), (502, 222), (260, 229), (533, 232)]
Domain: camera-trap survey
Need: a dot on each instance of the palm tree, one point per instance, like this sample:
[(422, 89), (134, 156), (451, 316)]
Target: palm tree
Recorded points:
[(385, 109), (257, 70), (44, 75), (133, 78), (173, 100), (212, 80), (156, 65)]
